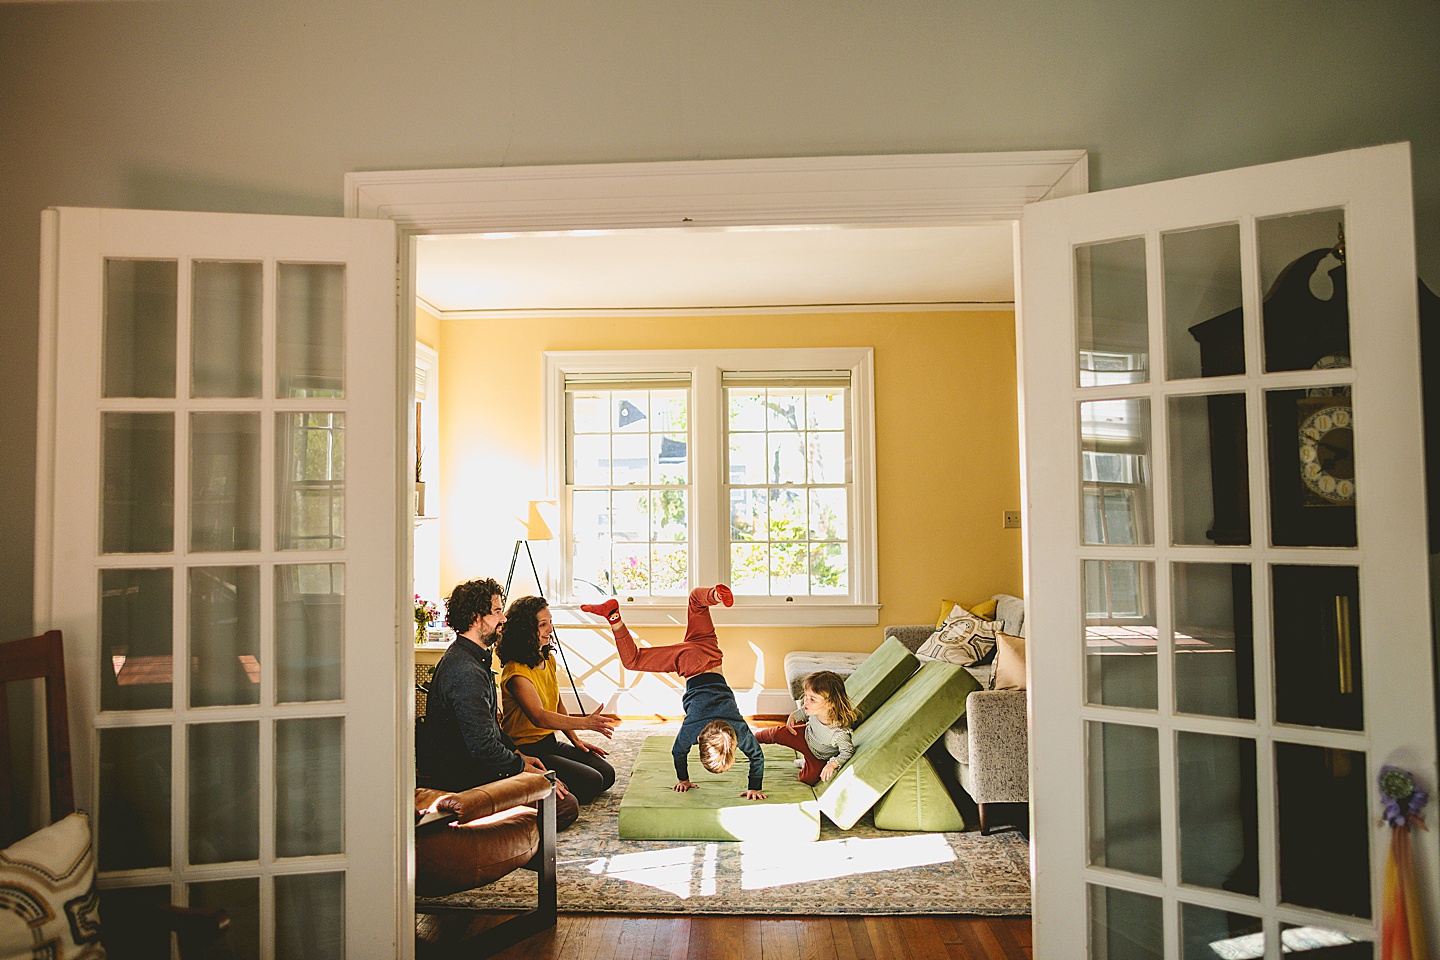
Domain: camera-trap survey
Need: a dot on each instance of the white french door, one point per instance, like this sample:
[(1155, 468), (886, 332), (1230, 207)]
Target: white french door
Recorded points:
[(219, 538), (1226, 559)]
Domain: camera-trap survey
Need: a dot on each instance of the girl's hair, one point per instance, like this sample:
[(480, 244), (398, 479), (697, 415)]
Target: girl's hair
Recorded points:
[(827, 684), (520, 633)]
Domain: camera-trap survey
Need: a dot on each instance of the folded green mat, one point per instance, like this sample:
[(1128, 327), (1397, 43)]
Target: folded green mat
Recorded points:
[(919, 801), (651, 810), (879, 676), (894, 737)]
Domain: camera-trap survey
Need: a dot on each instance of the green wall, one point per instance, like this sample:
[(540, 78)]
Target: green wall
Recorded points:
[(264, 106)]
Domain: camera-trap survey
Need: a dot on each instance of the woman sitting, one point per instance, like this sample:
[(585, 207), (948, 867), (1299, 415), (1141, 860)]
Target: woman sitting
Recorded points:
[(532, 714)]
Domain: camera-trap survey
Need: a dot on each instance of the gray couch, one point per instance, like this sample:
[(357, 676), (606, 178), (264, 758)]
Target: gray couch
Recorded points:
[(989, 745)]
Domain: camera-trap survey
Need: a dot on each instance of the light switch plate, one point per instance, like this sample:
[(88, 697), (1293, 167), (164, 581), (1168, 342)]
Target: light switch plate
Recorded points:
[(1012, 519)]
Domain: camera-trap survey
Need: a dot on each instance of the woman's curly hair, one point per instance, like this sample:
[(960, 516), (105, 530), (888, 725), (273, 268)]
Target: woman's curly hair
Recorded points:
[(520, 633)]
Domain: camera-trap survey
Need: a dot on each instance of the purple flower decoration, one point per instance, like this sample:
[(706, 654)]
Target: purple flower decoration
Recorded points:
[(1403, 797)]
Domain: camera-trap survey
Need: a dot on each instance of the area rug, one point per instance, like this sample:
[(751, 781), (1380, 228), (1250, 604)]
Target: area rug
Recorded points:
[(861, 871)]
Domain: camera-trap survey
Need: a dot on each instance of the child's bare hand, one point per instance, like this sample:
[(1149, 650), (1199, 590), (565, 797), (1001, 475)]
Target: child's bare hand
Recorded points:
[(753, 795), (829, 770), (684, 785), (791, 725)]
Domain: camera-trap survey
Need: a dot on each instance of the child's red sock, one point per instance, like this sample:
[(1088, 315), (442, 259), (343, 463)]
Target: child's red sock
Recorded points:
[(721, 594), (610, 609)]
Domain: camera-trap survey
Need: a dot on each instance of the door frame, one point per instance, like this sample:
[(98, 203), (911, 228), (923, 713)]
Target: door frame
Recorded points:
[(951, 188)]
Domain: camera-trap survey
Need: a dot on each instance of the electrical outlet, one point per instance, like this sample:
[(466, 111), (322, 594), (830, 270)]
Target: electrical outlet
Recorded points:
[(1012, 519)]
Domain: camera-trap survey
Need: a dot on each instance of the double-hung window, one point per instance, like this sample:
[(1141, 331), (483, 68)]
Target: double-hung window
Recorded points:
[(677, 469)]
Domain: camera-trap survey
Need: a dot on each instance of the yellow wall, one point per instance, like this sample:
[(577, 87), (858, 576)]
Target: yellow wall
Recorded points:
[(946, 436), (427, 328)]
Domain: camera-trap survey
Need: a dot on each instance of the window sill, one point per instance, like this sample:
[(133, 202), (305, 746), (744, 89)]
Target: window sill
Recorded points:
[(740, 615)]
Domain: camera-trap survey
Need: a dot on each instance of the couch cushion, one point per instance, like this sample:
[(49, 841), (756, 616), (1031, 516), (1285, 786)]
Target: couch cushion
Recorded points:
[(956, 741), (799, 664), (48, 902), (651, 810), (894, 737), (1010, 611), (879, 676), (918, 801)]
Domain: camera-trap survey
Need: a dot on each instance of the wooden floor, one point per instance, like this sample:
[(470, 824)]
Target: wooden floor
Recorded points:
[(606, 937)]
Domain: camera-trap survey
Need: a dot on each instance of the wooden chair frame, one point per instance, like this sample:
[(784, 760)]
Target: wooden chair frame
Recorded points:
[(37, 658)]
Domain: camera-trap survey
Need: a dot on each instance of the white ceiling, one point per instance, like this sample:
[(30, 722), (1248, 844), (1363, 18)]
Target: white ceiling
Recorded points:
[(827, 266)]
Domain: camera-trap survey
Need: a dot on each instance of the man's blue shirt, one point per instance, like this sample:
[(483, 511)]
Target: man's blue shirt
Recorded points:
[(465, 745)]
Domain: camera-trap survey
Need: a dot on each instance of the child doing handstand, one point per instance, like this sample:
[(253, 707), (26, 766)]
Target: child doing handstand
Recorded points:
[(828, 716), (712, 717)]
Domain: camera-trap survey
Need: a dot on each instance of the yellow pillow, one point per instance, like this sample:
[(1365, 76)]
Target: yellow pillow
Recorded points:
[(985, 611), (1009, 663)]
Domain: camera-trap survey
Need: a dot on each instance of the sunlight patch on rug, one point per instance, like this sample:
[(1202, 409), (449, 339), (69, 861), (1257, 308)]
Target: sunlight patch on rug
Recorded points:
[(668, 870), (766, 865)]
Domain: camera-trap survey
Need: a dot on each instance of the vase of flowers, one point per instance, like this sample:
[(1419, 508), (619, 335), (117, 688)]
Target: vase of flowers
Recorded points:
[(426, 613)]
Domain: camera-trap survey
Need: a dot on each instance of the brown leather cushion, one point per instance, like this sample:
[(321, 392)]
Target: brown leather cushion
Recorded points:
[(461, 856), (497, 832)]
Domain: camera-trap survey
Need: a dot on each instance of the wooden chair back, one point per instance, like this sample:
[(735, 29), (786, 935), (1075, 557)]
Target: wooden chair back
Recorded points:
[(35, 658)]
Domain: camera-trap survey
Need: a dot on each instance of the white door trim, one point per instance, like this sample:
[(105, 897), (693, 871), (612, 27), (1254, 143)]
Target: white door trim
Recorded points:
[(910, 188), (956, 188)]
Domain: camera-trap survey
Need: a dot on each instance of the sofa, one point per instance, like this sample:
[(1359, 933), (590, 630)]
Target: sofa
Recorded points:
[(987, 748)]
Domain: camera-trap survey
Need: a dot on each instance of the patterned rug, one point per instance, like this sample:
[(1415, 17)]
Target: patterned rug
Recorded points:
[(861, 871)]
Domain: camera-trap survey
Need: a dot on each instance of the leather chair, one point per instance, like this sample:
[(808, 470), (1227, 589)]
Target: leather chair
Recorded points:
[(499, 827)]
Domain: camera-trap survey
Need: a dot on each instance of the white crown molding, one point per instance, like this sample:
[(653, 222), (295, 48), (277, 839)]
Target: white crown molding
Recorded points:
[(783, 309), (914, 188)]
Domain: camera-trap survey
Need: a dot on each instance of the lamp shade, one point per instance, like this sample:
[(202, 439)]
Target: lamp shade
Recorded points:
[(535, 526)]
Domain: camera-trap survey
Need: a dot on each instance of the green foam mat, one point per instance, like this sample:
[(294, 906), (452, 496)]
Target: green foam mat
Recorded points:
[(882, 673), (894, 737), (919, 801), (652, 810)]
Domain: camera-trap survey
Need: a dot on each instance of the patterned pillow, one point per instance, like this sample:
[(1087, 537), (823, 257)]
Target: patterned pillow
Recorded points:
[(963, 639), (48, 903)]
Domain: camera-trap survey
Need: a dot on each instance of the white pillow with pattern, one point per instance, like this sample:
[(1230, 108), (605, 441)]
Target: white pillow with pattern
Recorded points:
[(48, 904), (963, 639)]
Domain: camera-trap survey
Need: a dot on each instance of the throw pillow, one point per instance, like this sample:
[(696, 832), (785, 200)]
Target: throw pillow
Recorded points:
[(985, 609), (1009, 663), (47, 894), (963, 639)]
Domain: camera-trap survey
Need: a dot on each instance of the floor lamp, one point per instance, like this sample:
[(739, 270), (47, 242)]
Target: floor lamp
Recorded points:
[(537, 529)]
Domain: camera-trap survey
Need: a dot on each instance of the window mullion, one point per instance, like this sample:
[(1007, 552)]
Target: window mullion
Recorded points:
[(709, 531)]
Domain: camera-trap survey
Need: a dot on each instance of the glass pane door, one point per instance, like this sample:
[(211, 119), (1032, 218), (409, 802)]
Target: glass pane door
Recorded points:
[(1224, 476), (223, 565)]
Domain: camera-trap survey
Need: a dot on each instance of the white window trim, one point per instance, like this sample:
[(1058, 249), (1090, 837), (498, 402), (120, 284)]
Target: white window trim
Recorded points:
[(707, 524)]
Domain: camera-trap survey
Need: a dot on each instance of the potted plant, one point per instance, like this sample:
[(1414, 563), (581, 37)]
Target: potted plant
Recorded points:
[(419, 484), (426, 613)]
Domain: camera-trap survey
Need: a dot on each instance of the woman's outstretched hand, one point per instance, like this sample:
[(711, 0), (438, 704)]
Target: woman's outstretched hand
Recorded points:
[(601, 723)]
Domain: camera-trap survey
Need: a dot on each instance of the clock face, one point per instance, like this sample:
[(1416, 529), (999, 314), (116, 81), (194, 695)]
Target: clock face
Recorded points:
[(1327, 451)]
